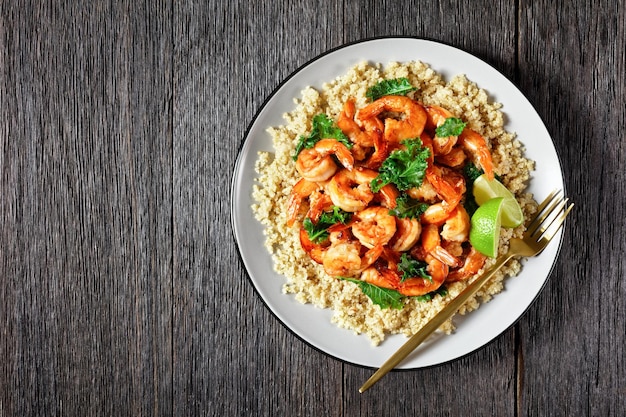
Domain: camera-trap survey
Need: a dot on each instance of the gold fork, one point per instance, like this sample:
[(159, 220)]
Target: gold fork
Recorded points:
[(550, 216)]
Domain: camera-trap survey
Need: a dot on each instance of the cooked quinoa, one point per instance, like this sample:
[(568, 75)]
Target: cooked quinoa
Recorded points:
[(307, 280)]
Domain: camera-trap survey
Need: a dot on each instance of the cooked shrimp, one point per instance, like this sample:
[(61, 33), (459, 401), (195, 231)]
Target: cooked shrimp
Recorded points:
[(457, 225), (343, 258), (454, 248), (350, 127), (437, 116), (381, 276), (314, 250), (436, 214), (476, 145), (318, 203), (473, 262), (301, 190), (438, 272), (387, 196), (425, 192), (408, 232), (410, 126), (373, 226), (455, 158), (448, 184), (381, 152), (431, 245), (314, 166), (371, 256), (341, 254), (350, 190), (371, 244), (367, 136), (317, 164), (373, 126)]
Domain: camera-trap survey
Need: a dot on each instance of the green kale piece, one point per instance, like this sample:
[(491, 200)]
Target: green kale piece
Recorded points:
[(405, 168), (413, 268), (408, 208), (323, 127), (451, 127), (383, 297), (318, 232), (396, 86)]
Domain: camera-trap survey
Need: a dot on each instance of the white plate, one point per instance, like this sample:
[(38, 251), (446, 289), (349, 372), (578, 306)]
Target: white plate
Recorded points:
[(313, 324)]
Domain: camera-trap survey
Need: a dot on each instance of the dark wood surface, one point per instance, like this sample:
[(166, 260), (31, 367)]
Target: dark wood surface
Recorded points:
[(121, 289)]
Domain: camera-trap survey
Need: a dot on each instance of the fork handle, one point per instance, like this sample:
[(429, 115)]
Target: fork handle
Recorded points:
[(444, 314)]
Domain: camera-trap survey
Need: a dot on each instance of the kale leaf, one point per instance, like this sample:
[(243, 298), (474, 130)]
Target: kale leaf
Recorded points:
[(470, 172), (413, 268), (318, 232), (396, 86), (403, 167), (383, 297), (451, 127), (323, 127), (408, 208)]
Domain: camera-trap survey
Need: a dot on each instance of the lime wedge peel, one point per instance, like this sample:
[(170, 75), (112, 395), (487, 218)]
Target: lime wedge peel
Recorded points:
[(485, 227), (485, 190)]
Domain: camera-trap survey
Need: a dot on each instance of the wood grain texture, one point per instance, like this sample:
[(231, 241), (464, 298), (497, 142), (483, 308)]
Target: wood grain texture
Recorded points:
[(573, 74), (121, 287), (86, 209)]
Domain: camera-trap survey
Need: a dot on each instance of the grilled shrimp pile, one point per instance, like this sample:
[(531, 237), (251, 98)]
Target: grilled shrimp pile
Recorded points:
[(382, 192)]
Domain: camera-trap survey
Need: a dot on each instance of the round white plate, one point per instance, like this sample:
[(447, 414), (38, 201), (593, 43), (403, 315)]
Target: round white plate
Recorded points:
[(313, 324)]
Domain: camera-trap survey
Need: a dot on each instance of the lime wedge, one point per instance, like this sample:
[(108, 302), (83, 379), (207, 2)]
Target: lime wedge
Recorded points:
[(485, 227), (485, 190)]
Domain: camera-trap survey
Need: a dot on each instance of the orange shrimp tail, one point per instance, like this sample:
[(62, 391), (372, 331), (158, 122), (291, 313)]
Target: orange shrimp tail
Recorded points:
[(446, 257), (476, 145), (382, 276), (371, 256), (473, 262), (421, 286), (409, 127), (301, 190), (318, 203), (451, 190), (381, 152), (315, 251)]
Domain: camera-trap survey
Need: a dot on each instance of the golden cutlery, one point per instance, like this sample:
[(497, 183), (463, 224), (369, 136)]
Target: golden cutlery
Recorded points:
[(550, 217)]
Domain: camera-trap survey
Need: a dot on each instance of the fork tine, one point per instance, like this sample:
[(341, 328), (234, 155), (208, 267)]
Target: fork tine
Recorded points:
[(558, 222), (542, 212), (549, 217), (547, 200)]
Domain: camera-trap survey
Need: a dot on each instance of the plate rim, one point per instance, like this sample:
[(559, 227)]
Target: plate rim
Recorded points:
[(233, 203)]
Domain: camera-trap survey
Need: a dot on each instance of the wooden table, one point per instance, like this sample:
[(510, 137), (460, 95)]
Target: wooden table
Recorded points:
[(121, 288)]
